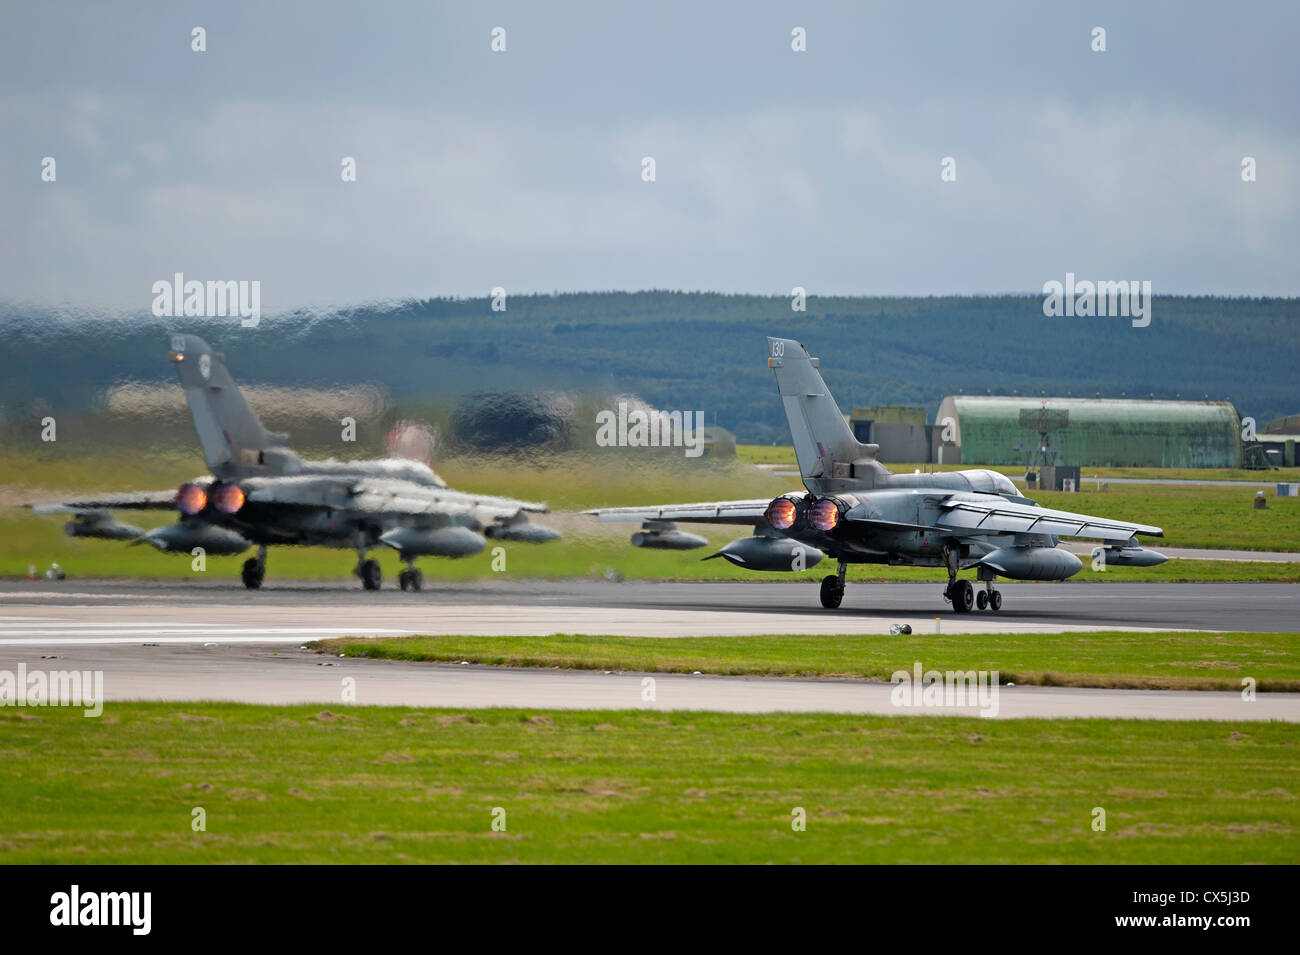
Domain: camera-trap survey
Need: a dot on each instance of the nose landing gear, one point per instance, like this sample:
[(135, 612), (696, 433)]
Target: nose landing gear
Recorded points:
[(410, 578), (993, 598), (964, 597), (989, 597), (962, 594)]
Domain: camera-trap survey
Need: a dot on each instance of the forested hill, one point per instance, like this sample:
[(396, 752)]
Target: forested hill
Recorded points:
[(681, 350)]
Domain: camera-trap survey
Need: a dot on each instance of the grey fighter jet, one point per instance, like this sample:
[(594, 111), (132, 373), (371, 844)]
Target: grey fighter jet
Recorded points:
[(855, 510), (262, 493)]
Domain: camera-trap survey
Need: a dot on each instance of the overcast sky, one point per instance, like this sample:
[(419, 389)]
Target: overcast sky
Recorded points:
[(523, 169)]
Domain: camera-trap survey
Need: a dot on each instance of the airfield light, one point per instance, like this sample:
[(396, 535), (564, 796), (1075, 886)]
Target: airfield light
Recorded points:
[(228, 498), (781, 513), (190, 499), (824, 515)]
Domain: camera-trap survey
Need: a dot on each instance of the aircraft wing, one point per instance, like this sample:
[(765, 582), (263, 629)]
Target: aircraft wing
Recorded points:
[(129, 501), (1000, 516), (382, 496), (501, 518), (432, 501), (711, 512), (365, 496)]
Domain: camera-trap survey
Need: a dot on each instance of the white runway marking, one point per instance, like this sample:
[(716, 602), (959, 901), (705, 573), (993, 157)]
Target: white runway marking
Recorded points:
[(61, 637), (60, 595), (222, 623), (42, 624), (71, 624)]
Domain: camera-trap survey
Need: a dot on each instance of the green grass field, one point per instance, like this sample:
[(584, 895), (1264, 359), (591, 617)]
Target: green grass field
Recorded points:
[(571, 481), (1166, 661), (26, 538), (1192, 517), (1214, 517), (766, 454), (302, 784), (784, 454)]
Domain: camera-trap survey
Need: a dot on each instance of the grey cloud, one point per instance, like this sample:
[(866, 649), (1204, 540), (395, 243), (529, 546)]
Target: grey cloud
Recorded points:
[(523, 169)]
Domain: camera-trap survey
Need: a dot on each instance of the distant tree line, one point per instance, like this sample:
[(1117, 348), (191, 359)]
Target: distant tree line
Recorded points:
[(688, 351)]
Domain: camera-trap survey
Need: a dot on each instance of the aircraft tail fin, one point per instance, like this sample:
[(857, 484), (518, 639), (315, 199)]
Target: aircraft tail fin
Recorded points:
[(233, 439), (830, 458)]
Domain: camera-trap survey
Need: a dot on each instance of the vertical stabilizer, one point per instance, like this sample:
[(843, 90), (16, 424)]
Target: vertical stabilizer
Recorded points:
[(830, 458), (233, 439)]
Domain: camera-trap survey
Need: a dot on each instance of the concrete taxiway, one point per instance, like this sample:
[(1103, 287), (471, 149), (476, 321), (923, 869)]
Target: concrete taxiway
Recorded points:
[(284, 676)]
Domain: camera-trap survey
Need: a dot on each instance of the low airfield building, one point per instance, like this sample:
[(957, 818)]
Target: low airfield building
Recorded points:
[(900, 430), (1279, 439), (1096, 432)]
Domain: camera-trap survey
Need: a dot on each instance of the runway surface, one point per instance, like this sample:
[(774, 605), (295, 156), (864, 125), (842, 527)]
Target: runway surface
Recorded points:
[(289, 612), (212, 640)]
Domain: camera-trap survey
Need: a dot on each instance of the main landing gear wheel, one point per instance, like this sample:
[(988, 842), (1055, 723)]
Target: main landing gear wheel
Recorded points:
[(372, 577), (410, 579), (253, 573), (963, 596), (832, 591)]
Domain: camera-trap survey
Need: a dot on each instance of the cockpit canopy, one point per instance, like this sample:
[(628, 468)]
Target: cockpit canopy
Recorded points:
[(991, 482)]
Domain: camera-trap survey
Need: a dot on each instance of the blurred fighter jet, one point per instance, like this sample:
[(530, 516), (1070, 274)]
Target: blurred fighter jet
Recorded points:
[(855, 510), (261, 493)]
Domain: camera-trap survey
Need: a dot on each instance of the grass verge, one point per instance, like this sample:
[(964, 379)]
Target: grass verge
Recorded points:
[(1153, 661), (784, 454), (380, 785)]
